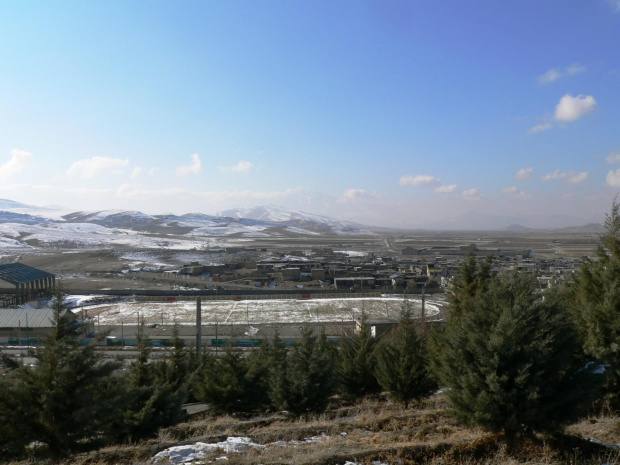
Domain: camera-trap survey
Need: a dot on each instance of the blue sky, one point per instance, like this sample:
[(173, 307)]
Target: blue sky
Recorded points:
[(391, 113)]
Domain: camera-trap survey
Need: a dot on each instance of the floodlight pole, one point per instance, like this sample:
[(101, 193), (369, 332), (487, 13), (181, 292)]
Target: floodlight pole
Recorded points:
[(198, 327)]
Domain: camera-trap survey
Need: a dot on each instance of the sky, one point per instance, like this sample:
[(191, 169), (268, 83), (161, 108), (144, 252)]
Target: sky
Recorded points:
[(426, 113)]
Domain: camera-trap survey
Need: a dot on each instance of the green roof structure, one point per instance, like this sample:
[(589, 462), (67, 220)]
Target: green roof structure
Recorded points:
[(30, 283)]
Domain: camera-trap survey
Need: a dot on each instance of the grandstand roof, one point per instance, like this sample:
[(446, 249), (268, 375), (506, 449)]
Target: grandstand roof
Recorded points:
[(18, 273)]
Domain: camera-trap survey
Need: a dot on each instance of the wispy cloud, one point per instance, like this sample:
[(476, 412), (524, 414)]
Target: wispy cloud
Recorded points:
[(446, 189), (472, 193), (613, 178), (613, 157), (571, 108), (419, 180), (90, 167), (194, 168), (540, 128), (241, 167), (357, 194), (137, 171), (517, 193), (139, 191), (570, 176), (524, 173), (19, 162), (615, 5), (556, 73)]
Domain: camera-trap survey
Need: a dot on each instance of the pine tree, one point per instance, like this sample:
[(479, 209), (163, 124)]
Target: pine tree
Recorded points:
[(356, 363), (274, 356), (402, 363), (509, 361), (310, 375), (15, 411), (473, 281), (177, 368), (66, 401), (150, 400), (229, 384), (597, 303)]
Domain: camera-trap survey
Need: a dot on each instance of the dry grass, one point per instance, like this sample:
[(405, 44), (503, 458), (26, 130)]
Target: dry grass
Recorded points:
[(375, 430)]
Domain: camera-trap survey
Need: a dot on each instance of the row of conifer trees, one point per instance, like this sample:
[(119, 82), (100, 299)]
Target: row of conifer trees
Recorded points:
[(73, 399), (515, 360)]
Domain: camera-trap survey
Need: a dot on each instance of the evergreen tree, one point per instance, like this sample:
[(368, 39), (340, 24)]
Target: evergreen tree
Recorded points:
[(230, 385), (473, 281), (510, 361), (310, 376), (16, 409), (150, 400), (275, 355), (402, 363), (356, 363), (597, 303), (178, 368), (66, 401)]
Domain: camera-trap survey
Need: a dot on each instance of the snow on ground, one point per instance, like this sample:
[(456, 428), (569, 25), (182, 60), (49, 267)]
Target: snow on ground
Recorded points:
[(191, 453), (225, 230), (295, 229), (352, 253), (260, 311), (201, 452), (93, 235), (7, 243)]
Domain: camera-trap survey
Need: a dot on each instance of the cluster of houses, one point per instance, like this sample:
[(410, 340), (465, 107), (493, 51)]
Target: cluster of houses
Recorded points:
[(413, 270)]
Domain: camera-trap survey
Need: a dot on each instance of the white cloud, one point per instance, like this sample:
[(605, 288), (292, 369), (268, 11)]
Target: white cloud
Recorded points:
[(194, 168), (471, 194), (577, 178), (517, 193), (137, 171), (571, 108), (419, 180), (570, 177), (524, 173), (613, 157), (540, 128), (241, 167), (550, 176), (356, 194), (90, 167), (549, 76), (446, 189), (555, 73), (19, 162), (613, 178)]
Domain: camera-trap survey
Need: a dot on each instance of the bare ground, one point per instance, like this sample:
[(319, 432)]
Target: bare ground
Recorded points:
[(375, 431)]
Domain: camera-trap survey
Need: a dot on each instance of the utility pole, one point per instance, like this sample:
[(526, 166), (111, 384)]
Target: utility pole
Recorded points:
[(198, 327), (217, 341)]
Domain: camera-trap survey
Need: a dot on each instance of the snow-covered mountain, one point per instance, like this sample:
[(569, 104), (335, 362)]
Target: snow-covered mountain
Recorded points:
[(273, 213), (30, 226)]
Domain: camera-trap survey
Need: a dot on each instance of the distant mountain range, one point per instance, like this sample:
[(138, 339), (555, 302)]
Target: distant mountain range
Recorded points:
[(24, 225), (27, 225)]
